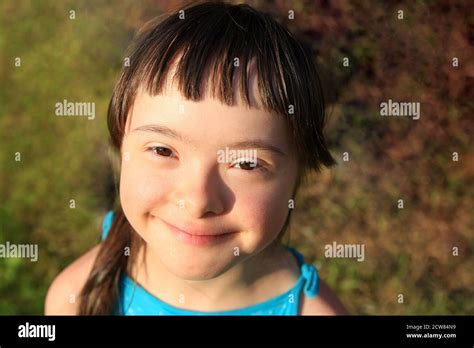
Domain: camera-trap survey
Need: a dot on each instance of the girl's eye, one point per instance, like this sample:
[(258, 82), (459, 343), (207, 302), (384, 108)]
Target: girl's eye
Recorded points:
[(161, 151), (248, 165)]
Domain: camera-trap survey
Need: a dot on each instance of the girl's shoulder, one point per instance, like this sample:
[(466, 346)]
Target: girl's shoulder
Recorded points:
[(317, 298), (63, 294)]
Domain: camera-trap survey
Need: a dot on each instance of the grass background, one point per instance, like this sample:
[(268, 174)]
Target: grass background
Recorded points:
[(407, 251)]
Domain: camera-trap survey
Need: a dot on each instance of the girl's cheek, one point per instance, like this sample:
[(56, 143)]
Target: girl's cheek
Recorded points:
[(141, 191), (264, 214), (266, 208)]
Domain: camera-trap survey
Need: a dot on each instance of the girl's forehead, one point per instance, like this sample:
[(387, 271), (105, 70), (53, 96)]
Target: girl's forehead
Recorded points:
[(209, 113), (206, 123)]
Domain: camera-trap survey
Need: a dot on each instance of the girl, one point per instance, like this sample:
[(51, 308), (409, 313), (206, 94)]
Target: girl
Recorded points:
[(217, 120)]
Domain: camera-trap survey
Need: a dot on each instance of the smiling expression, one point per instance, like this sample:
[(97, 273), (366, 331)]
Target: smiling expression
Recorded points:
[(194, 211)]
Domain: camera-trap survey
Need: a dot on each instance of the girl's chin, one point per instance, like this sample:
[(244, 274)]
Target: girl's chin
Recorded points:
[(197, 270), (193, 263)]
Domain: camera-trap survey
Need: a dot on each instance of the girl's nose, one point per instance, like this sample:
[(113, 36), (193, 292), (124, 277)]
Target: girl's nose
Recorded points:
[(202, 192)]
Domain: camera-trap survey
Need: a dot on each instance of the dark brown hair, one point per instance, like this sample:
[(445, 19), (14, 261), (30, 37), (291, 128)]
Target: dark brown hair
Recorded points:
[(207, 40)]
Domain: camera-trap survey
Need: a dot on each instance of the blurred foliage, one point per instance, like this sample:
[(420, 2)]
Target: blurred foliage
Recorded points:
[(408, 251)]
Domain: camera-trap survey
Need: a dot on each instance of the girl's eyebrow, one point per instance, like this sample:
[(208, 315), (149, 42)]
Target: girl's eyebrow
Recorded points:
[(162, 130), (247, 144)]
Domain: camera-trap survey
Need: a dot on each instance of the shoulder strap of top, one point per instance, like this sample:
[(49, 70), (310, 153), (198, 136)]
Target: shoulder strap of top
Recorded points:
[(107, 223), (309, 273)]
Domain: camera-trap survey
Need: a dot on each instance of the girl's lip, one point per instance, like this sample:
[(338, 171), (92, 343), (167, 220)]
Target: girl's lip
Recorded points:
[(198, 239), (195, 232)]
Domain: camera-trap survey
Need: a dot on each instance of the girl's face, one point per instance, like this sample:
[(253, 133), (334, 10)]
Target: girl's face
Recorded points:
[(183, 166)]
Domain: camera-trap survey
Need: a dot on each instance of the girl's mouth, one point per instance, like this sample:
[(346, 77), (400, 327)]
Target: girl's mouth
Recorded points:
[(198, 239)]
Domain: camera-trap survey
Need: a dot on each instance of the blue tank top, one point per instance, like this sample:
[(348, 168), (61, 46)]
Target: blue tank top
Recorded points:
[(135, 300)]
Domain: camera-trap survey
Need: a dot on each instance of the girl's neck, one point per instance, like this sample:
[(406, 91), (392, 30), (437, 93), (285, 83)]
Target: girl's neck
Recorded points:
[(268, 274)]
